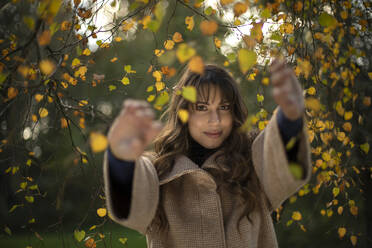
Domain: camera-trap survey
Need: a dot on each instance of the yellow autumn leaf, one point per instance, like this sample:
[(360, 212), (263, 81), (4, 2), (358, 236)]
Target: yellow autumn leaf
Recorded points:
[(247, 59), (75, 62), (370, 75), (353, 240), (118, 39), (208, 27), (177, 37), (189, 21), (340, 209), (261, 125), (296, 216), (86, 52), (158, 52), (157, 75), (341, 232), (151, 98), (43, 112), (217, 42), (335, 191), (44, 38), (260, 98), (286, 28), (224, 2), (240, 8), (34, 118), (184, 52), (196, 65), (47, 67), (265, 81), (113, 59), (347, 126), (64, 123), (38, 97), (30, 199), (82, 103), (183, 115), (169, 44), (367, 101), (12, 92), (101, 212), (81, 71), (312, 103), (98, 142), (311, 91), (348, 115), (159, 86), (125, 81)]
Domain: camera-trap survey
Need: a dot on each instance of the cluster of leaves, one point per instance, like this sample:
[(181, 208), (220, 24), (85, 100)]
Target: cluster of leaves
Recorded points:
[(48, 74)]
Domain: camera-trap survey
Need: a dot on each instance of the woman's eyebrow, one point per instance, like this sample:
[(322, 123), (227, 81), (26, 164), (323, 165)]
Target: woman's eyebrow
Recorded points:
[(200, 102)]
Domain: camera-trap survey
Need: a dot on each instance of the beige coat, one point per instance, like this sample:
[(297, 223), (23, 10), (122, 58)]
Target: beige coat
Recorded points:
[(198, 216)]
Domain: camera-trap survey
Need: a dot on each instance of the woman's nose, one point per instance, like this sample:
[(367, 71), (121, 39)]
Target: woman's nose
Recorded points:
[(214, 117)]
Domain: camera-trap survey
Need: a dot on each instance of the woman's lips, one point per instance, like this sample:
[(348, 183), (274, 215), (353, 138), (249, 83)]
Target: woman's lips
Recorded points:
[(213, 134)]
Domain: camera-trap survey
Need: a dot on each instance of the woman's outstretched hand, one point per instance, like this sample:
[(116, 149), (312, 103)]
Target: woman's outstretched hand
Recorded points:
[(287, 91), (133, 130)]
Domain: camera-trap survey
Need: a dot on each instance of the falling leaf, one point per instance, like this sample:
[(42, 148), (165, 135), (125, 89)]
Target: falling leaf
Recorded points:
[(240, 8), (168, 44), (189, 21), (43, 112), (47, 67), (79, 235), (296, 170), (101, 212), (353, 240), (296, 216), (44, 38), (184, 52), (208, 27), (125, 80), (30, 199), (335, 191), (341, 232), (177, 37), (123, 240), (247, 59), (183, 115), (189, 93), (98, 142), (8, 231), (196, 65), (260, 98), (365, 148)]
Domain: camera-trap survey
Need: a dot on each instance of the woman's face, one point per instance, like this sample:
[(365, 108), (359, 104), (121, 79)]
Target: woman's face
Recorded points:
[(210, 121)]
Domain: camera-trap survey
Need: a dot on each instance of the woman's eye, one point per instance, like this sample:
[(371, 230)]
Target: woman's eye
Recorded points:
[(201, 107), (225, 107)]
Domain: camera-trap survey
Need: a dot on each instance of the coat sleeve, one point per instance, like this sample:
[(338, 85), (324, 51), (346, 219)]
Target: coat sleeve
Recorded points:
[(271, 163), (144, 196)]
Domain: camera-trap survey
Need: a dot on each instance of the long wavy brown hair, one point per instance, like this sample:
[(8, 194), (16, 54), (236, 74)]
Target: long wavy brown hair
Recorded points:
[(234, 162)]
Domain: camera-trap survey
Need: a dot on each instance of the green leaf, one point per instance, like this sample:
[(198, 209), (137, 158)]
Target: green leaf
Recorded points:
[(78, 51), (125, 81), (154, 25), (30, 199), (14, 207), (79, 235), (208, 11), (33, 187), (365, 148), (29, 21), (123, 240), (112, 87), (3, 77), (231, 57), (54, 27), (296, 170), (162, 99), (327, 20), (8, 231), (246, 58), (266, 13), (189, 93)]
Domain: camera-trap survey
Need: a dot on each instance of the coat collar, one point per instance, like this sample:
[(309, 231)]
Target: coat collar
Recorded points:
[(184, 165)]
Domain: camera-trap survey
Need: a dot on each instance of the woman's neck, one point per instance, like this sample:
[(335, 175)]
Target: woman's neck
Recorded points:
[(198, 153)]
